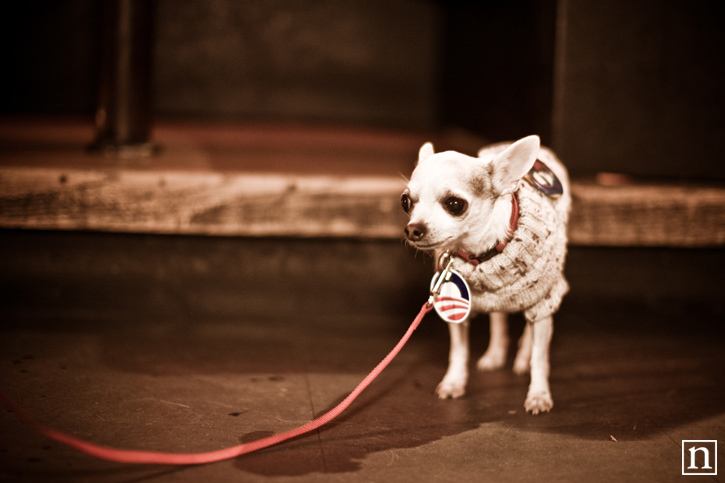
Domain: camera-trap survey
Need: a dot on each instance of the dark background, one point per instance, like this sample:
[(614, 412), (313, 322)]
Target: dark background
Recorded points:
[(624, 86)]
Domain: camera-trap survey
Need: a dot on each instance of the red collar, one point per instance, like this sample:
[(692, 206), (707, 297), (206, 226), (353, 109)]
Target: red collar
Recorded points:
[(475, 260)]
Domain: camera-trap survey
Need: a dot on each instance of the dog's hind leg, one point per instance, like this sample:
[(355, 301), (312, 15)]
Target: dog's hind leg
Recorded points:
[(538, 398), (522, 362), (454, 382), (495, 355)]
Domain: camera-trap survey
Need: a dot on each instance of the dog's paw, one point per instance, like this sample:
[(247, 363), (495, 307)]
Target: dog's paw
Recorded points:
[(522, 365), (538, 402), (451, 389), (491, 360)]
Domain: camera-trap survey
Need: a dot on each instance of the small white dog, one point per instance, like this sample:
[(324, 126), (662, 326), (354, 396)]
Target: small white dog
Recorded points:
[(503, 218)]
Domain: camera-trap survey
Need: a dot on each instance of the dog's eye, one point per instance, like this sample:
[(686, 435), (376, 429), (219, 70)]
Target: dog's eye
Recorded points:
[(455, 206), (406, 202)]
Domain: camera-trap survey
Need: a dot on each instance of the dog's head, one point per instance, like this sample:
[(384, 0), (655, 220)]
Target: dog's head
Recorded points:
[(457, 202)]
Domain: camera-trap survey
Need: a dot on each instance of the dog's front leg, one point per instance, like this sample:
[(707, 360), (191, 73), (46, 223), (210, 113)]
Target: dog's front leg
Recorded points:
[(454, 382), (538, 398)]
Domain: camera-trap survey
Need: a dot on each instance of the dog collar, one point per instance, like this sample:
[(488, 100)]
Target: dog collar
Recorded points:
[(513, 221), (541, 177)]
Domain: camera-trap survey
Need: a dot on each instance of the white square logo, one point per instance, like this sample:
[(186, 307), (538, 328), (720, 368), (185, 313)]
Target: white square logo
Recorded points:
[(699, 457)]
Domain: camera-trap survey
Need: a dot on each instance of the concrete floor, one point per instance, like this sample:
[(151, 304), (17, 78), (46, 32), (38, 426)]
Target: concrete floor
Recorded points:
[(194, 344)]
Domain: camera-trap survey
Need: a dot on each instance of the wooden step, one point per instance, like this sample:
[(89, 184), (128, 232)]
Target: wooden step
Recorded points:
[(298, 181)]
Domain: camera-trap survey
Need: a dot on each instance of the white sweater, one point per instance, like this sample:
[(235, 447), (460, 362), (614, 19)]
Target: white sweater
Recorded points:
[(528, 275)]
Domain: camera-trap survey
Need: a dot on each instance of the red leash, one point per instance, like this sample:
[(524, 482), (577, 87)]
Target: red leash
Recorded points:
[(160, 458)]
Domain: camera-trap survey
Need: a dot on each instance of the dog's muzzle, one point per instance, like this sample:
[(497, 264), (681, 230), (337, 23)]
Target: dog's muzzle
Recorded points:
[(415, 231)]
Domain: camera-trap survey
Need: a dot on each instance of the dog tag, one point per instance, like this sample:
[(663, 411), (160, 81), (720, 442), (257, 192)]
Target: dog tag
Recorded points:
[(544, 180), (453, 302)]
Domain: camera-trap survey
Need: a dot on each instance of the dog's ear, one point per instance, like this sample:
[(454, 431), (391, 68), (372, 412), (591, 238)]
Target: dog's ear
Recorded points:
[(508, 167), (426, 150)]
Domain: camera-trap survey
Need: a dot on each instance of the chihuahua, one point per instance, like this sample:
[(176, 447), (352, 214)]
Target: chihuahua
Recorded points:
[(501, 218)]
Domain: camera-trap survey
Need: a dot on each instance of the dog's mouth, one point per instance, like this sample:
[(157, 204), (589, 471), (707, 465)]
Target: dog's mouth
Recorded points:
[(420, 246), (429, 246)]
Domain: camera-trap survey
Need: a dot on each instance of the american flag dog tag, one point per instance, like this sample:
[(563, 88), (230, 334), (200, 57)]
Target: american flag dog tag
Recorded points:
[(453, 302)]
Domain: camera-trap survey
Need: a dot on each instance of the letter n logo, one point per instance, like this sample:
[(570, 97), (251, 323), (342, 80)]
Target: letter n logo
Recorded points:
[(699, 457)]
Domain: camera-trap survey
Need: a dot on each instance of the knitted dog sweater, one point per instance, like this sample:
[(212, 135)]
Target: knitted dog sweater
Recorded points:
[(528, 275)]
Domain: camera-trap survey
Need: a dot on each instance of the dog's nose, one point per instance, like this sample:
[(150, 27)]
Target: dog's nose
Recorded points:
[(415, 231)]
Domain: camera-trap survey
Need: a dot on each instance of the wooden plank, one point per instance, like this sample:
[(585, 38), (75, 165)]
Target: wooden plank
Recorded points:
[(304, 181), (200, 203), (639, 214), (248, 204)]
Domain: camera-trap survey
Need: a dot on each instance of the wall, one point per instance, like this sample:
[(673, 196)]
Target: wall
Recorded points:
[(639, 87), (372, 62), (624, 86)]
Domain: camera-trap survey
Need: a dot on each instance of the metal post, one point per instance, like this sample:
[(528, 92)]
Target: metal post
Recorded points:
[(124, 112)]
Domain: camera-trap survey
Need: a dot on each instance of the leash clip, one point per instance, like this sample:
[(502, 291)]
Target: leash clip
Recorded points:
[(446, 261)]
